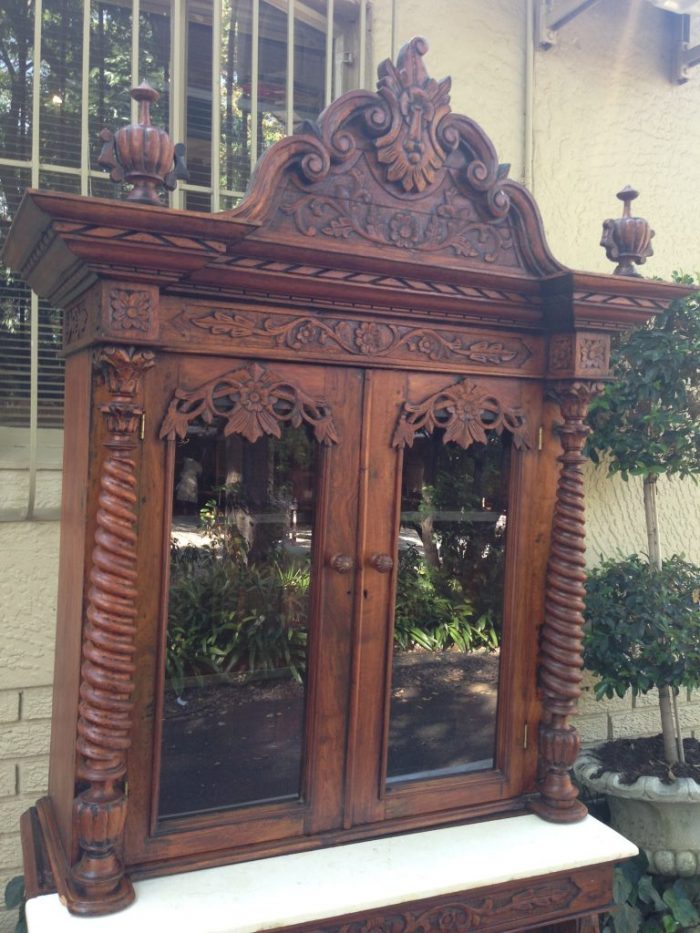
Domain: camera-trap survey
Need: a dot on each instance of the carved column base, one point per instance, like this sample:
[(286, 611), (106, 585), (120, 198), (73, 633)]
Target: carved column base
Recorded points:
[(558, 796), (99, 875)]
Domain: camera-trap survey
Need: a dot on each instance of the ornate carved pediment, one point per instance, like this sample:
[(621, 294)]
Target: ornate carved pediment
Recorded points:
[(397, 173)]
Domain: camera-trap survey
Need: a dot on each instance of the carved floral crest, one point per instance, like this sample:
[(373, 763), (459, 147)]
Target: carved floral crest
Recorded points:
[(466, 413), (252, 401), (410, 149)]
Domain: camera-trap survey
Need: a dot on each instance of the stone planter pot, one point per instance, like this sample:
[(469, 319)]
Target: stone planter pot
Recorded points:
[(663, 820)]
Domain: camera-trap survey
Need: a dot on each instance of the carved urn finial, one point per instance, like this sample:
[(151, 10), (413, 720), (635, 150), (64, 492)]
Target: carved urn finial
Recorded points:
[(627, 239), (141, 154)]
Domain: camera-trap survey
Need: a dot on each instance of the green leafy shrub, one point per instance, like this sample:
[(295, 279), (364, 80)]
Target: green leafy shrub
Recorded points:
[(432, 611), (650, 903), (15, 900), (643, 625)]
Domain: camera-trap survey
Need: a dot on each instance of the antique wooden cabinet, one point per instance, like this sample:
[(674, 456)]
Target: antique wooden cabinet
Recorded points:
[(322, 553)]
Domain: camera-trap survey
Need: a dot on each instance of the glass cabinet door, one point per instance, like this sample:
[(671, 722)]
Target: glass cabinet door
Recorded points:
[(341, 602), (258, 611), (438, 617)]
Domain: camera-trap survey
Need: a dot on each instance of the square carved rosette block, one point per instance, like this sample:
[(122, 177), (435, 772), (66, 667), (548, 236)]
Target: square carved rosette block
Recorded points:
[(582, 355), (387, 293)]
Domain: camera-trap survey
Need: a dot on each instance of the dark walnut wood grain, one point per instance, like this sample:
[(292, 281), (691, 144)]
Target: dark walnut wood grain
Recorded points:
[(107, 673), (560, 646), (382, 282)]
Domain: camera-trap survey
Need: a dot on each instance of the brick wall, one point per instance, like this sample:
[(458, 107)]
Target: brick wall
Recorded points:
[(25, 725)]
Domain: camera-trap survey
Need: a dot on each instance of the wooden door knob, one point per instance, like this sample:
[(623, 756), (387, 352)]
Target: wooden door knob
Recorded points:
[(341, 563), (382, 563)]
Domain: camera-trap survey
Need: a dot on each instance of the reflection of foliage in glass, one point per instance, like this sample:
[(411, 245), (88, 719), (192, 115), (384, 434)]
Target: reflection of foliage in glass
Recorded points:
[(227, 616), (432, 611), (464, 555), (239, 602)]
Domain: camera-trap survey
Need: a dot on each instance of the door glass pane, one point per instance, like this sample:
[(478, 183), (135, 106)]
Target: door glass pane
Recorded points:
[(240, 559), (448, 613)]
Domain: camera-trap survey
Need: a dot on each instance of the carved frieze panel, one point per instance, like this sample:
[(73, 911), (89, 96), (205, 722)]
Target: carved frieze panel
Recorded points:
[(466, 412), (582, 354), (251, 401), (504, 910), (322, 336)]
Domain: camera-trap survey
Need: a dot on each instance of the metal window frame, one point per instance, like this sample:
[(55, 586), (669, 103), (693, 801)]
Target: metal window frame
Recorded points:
[(296, 10)]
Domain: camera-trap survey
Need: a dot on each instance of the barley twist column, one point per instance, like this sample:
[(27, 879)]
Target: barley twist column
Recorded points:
[(107, 672), (560, 647)]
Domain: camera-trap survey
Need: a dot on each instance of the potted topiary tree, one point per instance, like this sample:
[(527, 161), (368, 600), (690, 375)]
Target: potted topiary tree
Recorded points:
[(643, 617)]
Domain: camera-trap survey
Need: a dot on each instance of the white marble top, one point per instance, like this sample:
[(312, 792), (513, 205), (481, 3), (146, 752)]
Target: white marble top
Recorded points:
[(276, 892)]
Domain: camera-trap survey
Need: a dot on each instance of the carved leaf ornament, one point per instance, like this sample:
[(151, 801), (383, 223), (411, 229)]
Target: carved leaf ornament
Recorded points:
[(466, 413), (410, 149), (251, 401)]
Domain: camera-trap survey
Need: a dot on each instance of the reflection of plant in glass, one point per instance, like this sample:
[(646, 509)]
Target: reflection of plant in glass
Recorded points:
[(432, 611), (459, 500), (227, 616)]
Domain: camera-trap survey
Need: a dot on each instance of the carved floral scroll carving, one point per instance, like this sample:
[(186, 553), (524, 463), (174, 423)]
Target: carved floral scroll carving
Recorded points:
[(251, 401), (560, 646), (465, 913), (361, 338), (107, 672), (347, 209), (466, 412), (75, 322)]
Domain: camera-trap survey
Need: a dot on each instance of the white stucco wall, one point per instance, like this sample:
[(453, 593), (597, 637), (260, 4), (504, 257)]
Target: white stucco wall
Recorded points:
[(604, 114)]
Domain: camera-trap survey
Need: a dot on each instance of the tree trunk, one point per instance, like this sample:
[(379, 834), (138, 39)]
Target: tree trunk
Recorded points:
[(654, 547), (652, 522), (667, 725)]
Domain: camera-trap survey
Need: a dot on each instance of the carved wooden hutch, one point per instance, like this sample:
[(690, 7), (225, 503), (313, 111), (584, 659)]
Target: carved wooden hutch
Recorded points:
[(384, 297)]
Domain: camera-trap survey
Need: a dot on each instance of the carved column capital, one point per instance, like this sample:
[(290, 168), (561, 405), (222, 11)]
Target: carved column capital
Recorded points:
[(122, 368), (560, 647)]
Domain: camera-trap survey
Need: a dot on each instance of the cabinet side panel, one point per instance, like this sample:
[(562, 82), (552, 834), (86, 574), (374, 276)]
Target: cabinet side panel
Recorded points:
[(70, 590)]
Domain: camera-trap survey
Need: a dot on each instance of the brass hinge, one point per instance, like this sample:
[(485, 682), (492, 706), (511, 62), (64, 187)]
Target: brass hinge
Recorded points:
[(525, 735), (142, 432), (540, 437)]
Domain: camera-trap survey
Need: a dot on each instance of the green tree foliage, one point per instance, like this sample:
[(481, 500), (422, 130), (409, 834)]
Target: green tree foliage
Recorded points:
[(647, 422), (643, 625)]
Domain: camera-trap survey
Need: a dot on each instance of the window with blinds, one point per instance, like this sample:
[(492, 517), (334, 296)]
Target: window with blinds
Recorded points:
[(234, 76)]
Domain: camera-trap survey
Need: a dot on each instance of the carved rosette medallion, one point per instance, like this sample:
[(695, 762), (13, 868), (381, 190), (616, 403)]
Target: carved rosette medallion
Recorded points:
[(580, 355), (466, 413), (130, 310), (561, 352), (593, 354), (251, 401), (358, 338), (104, 712), (560, 646)]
